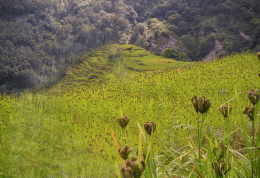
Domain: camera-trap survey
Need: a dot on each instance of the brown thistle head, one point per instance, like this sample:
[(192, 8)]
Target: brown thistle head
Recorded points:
[(224, 110), (124, 151), (258, 55), (123, 121), (126, 172), (132, 169), (194, 101), (133, 159), (135, 167), (201, 104), (149, 127), (249, 111), (127, 163), (253, 96)]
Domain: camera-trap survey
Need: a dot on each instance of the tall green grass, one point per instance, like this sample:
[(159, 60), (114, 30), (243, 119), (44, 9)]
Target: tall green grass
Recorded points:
[(66, 133)]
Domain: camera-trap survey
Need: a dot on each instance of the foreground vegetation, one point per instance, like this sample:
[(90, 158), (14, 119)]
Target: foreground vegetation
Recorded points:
[(67, 133)]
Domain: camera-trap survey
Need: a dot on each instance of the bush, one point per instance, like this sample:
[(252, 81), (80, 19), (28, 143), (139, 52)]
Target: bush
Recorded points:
[(172, 53)]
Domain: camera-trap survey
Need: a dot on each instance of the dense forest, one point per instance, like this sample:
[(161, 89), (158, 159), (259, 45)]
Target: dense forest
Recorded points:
[(39, 39)]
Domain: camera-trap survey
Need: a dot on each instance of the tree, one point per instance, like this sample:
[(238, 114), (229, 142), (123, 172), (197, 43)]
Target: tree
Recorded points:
[(172, 53), (174, 19)]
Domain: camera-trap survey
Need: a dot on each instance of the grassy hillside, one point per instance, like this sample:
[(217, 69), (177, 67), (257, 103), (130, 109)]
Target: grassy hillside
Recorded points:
[(60, 133), (116, 60), (38, 39)]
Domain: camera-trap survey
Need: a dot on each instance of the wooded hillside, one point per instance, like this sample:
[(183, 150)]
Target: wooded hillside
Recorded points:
[(39, 39)]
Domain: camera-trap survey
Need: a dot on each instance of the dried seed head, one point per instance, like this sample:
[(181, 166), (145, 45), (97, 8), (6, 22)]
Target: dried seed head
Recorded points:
[(194, 101), (201, 104), (124, 151), (259, 75), (149, 127), (258, 55), (129, 172), (204, 104), (249, 111), (122, 169), (131, 168), (134, 159), (127, 163), (253, 96), (123, 121), (136, 169), (126, 172), (224, 110)]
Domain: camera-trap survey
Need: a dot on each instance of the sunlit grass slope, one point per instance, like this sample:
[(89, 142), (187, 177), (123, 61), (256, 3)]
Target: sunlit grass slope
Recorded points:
[(136, 58), (116, 60), (57, 133)]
